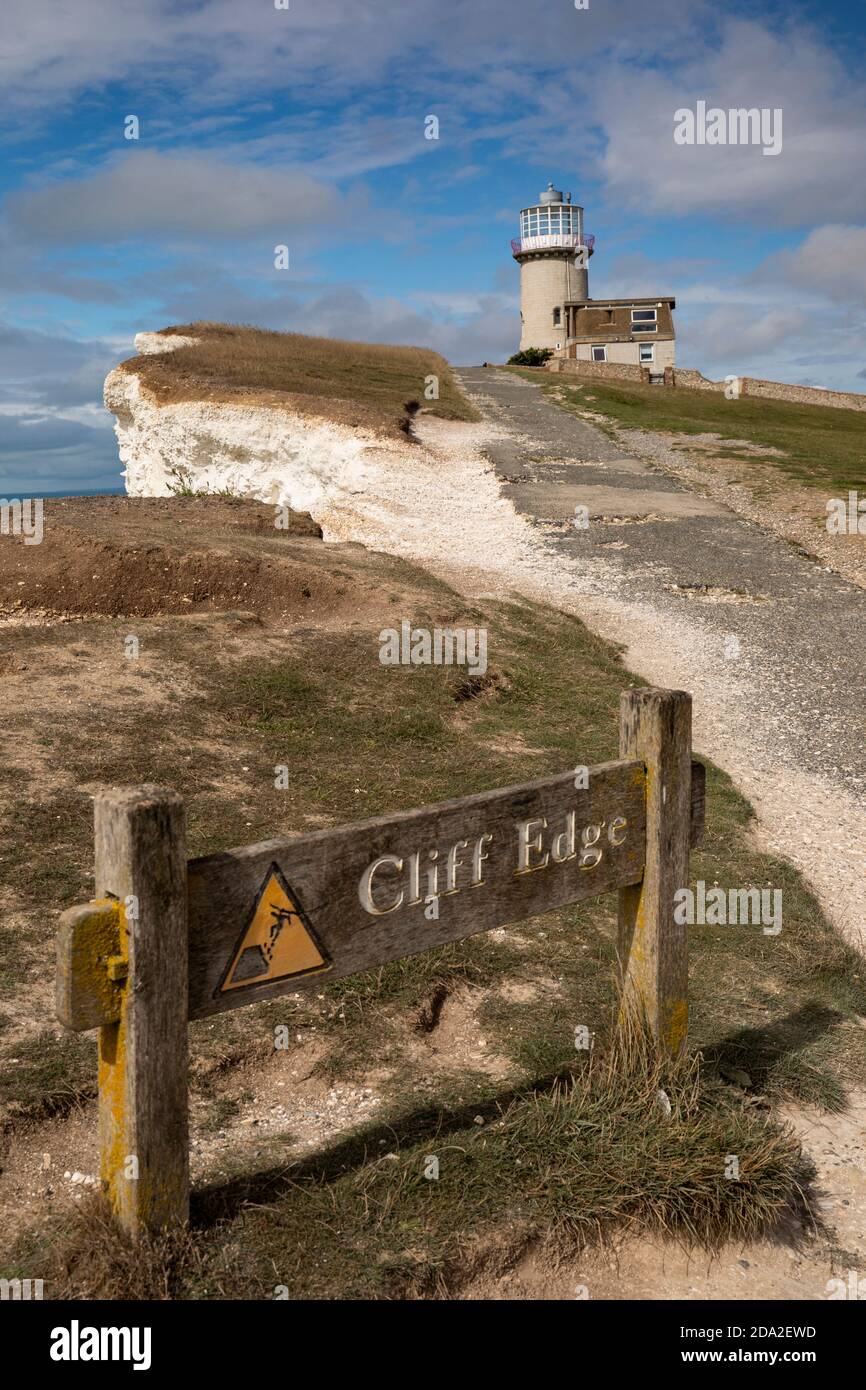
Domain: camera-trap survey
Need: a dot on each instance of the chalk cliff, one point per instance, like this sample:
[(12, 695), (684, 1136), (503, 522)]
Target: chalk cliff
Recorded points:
[(270, 453)]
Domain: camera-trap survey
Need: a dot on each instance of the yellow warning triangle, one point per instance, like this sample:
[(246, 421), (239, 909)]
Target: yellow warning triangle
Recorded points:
[(278, 941)]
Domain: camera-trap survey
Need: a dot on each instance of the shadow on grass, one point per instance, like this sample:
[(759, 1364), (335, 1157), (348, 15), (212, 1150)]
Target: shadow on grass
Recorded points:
[(772, 1058), (625, 1139), (220, 1201)]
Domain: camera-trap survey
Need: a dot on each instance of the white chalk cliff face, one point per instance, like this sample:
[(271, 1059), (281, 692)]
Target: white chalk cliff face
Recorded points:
[(262, 452)]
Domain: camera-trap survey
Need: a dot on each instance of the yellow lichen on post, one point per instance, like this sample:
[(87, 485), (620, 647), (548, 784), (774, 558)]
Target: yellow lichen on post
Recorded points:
[(113, 1123), (143, 1054), (675, 1026), (86, 993)]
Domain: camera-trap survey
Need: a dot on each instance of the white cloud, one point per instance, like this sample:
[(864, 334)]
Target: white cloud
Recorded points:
[(830, 262), (740, 329), (49, 451), (146, 193), (45, 367), (823, 158), (206, 49)]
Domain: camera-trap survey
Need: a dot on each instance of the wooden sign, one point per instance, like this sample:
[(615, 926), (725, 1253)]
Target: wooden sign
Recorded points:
[(168, 941), (340, 901)]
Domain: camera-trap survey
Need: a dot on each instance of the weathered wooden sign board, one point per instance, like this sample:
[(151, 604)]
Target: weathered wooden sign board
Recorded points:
[(341, 901), (167, 941)]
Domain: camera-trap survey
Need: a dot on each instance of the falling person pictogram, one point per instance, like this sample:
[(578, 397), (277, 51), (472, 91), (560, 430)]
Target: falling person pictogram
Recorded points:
[(278, 941)]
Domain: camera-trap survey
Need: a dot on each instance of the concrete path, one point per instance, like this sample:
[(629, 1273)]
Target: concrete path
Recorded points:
[(771, 644)]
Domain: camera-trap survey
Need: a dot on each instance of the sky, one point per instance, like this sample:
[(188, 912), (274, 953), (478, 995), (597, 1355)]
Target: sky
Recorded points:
[(307, 125)]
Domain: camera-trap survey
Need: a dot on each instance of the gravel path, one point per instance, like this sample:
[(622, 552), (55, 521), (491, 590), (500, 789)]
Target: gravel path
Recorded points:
[(772, 645)]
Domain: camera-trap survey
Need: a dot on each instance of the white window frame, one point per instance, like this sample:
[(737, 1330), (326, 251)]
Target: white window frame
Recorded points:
[(646, 347), (645, 324), (599, 347)]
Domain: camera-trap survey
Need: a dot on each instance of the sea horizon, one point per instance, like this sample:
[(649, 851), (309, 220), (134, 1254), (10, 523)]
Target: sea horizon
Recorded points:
[(64, 492)]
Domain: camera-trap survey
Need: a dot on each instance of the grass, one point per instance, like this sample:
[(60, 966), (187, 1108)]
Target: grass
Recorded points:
[(821, 445), (404, 738), (456, 1191), (47, 1076), (366, 384), (571, 1146)]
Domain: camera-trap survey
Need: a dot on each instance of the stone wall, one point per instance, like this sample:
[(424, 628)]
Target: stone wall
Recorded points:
[(686, 376), (804, 395), (696, 381), (600, 371)]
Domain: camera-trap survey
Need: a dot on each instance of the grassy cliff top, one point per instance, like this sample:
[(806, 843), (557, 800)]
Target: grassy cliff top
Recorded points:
[(371, 385)]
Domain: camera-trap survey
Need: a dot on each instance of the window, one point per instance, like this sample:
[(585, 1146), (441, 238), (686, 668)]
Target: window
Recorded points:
[(599, 354), (647, 352), (644, 321), (557, 317)]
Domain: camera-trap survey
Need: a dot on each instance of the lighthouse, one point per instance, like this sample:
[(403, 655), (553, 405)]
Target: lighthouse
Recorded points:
[(553, 256), (633, 338)]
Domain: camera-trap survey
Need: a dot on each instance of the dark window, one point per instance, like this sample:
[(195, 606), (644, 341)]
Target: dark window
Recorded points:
[(644, 315), (557, 316)]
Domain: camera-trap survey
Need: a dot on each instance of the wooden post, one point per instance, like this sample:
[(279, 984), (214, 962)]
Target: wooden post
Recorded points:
[(143, 1057), (656, 726)]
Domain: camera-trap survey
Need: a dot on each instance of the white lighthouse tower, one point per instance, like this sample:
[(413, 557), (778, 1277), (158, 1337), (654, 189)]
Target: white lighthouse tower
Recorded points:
[(553, 256)]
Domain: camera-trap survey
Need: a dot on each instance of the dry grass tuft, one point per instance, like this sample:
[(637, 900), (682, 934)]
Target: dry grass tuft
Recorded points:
[(95, 1258)]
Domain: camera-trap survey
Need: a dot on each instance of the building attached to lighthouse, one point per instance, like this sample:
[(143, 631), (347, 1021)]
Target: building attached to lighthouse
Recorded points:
[(556, 311)]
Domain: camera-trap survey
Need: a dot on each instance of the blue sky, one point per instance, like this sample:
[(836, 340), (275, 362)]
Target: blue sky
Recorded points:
[(305, 126)]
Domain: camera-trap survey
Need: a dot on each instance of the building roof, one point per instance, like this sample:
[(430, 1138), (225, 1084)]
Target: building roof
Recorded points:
[(624, 303)]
